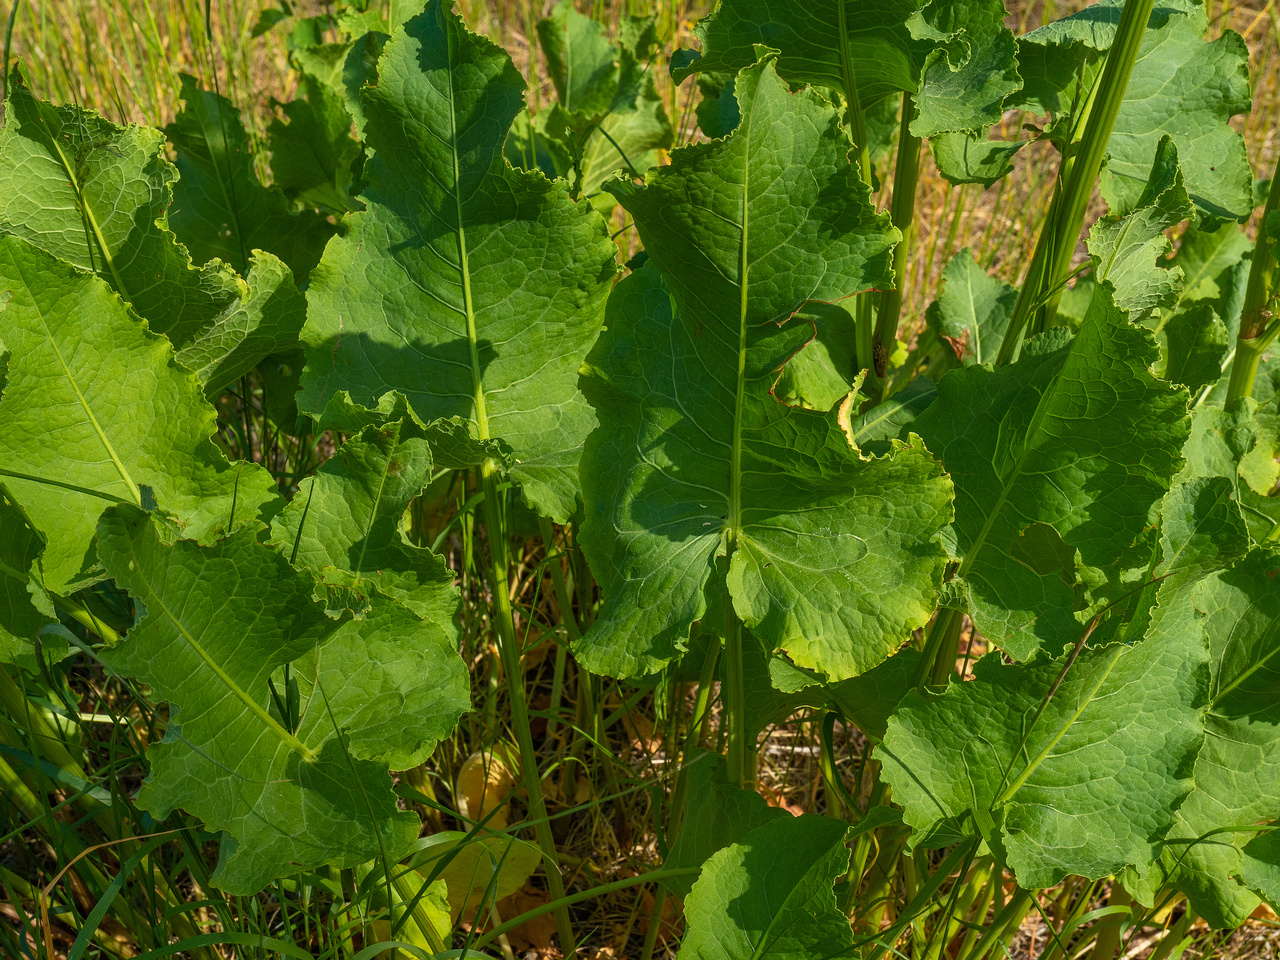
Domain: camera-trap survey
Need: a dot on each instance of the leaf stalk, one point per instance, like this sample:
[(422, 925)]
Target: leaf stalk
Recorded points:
[(509, 651)]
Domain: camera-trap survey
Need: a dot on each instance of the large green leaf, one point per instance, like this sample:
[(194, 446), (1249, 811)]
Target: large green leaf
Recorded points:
[(825, 370), (346, 519), (220, 208), (972, 311), (24, 608), (1196, 332), (1238, 444), (958, 59), (471, 288), (267, 319), (1087, 787), (717, 813), (608, 116), (97, 195), (834, 557), (1126, 250), (1068, 451), (580, 59), (291, 792), (1182, 86), (1237, 773), (869, 700), (313, 154), (97, 411), (770, 897)]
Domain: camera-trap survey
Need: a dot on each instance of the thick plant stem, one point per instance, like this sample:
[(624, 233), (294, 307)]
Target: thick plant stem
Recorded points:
[(864, 308), (1082, 161), (701, 704), (509, 649), (1108, 942), (735, 702), (902, 210), (848, 79), (1257, 323), (941, 642)]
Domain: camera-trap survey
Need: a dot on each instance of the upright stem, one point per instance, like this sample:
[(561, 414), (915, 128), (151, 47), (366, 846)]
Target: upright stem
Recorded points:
[(1256, 326), (849, 80), (509, 650), (864, 311), (940, 646), (1080, 166), (902, 209), (735, 699), (676, 821), (1108, 942)]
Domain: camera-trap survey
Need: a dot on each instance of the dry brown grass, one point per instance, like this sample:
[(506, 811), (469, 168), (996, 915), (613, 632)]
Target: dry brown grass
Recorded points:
[(123, 59)]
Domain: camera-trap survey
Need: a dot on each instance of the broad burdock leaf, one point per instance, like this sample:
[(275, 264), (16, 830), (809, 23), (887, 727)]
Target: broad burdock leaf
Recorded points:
[(1068, 451), (1088, 788), (97, 411), (770, 896), (718, 813), (972, 311), (24, 608), (1126, 250), (1237, 773), (291, 793), (1193, 344), (825, 370), (834, 557), (471, 288), (346, 519), (1208, 260), (220, 208), (875, 430), (971, 158), (312, 156), (267, 319), (1234, 444), (96, 194), (609, 115), (580, 60), (1196, 333), (869, 700), (1182, 86), (957, 59)]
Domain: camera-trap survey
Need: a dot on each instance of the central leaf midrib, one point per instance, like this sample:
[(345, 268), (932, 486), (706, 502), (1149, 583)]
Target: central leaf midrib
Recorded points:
[(92, 220), (84, 404), (287, 738), (1034, 765), (735, 449), (464, 267), (1015, 475), (377, 501)]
